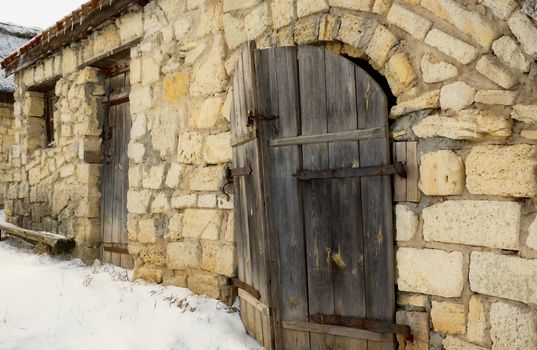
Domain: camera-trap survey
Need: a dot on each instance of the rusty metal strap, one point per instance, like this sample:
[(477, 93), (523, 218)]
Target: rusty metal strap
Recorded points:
[(231, 172), (246, 287), (114, 248), (386, 169), (363, 323)]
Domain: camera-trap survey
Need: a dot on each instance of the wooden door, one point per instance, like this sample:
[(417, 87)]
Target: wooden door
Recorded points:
[(116, 132), (314, 208)]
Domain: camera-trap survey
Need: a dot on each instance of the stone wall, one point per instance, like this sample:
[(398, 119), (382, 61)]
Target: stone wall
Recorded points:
[(7, 140), (463, 73)]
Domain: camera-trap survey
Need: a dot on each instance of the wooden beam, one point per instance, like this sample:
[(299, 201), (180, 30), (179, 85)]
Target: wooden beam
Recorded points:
[(336, 330), (58, 243), (254, 302), (62, 38), (377, 170), (353, 135)]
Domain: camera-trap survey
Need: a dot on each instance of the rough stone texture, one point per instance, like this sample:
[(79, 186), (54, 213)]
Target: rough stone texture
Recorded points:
[(451, 46), (410, 299), (181, 255), (512, 327), (356, 31), (234, 5), (525, 32), (531, 241), (406, 223), (201, 223), (441, 173), (379, 47), (476, 329), (434, 71), (429, 100), (529, 134), (495, 71), (283, 13), (430, 271), (469, 124), (494, 224), (448, 317), (496, 97), (452, 343), (217, 148), (419, 325), (409, 21), (308, 7), (507, 50), (399, 73), (502, 170), (219, 258), (525, 113), (472, 23), (360, 5), (257, 21), (508, 277), (456, 96), (501, 8)]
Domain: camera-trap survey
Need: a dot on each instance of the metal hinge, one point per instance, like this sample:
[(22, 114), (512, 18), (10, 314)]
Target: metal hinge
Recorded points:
[(259, 117)]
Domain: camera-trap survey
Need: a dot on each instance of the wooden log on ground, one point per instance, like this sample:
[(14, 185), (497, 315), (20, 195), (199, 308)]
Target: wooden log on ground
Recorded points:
[(57, 243)]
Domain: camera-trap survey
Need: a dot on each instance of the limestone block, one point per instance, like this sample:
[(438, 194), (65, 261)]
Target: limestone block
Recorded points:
[(466, 20), (234, 30), (141, 99), (441, 173), (469, 124), (306, 30), (451, 46), (525, 113), (205, 283), (381, 7), (360, 5), (225, 202), (429, 100), (495, 71), (525, 31), (529, 134), (202, 223), (176, 86), (496, 97), (283, 13), (153, 256), (434, 71), (67, 170), (207, 200), (174, 175), (257, 21), (209, 113), (452, 343), (399, 73), (181, 201), (494, 224), (456, 96), (430, 271), (184, 254), (207, 178), (234, 5), (476, 330), (138, 201), (148, 274), (153, 177), (448, 317), (379, 47), (502, 170), (217, 148), (34, 105), (219, 258), (69, 61), (189, 148), (308, 7), (507, 50), (160, 204), (229, 235), (419, 326), (131, 26), (531, 241), (411, 299), (503, 276), (211, 77), (146, 231), (356, 31), (150, 71), (139, 127), (409, 21), (500, 8), (406, 223), (328, 27), (106, 40), (177, 279), (136, 151), (512, 327), (175, 228)]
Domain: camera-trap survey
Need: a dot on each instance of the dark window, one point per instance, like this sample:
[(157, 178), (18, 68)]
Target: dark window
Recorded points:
[(50, 108)]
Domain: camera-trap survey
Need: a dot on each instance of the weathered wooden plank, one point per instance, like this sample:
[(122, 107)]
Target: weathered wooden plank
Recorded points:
[(116, 114), (399, 155), (316, 193), (352, 135), (247, 297), (126, 259), (58, 243), (376, 192), (375, 170), (412, 191), (347, 243), (337, 331)]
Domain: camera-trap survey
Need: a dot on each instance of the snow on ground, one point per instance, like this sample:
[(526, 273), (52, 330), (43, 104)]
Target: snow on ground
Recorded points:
[(47, 303)]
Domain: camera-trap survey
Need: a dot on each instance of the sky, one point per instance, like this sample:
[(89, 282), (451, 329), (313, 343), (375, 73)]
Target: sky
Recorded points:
[(37, 13)]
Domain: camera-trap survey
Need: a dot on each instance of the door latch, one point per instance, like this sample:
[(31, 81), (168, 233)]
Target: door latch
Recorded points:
[(259, 117)]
